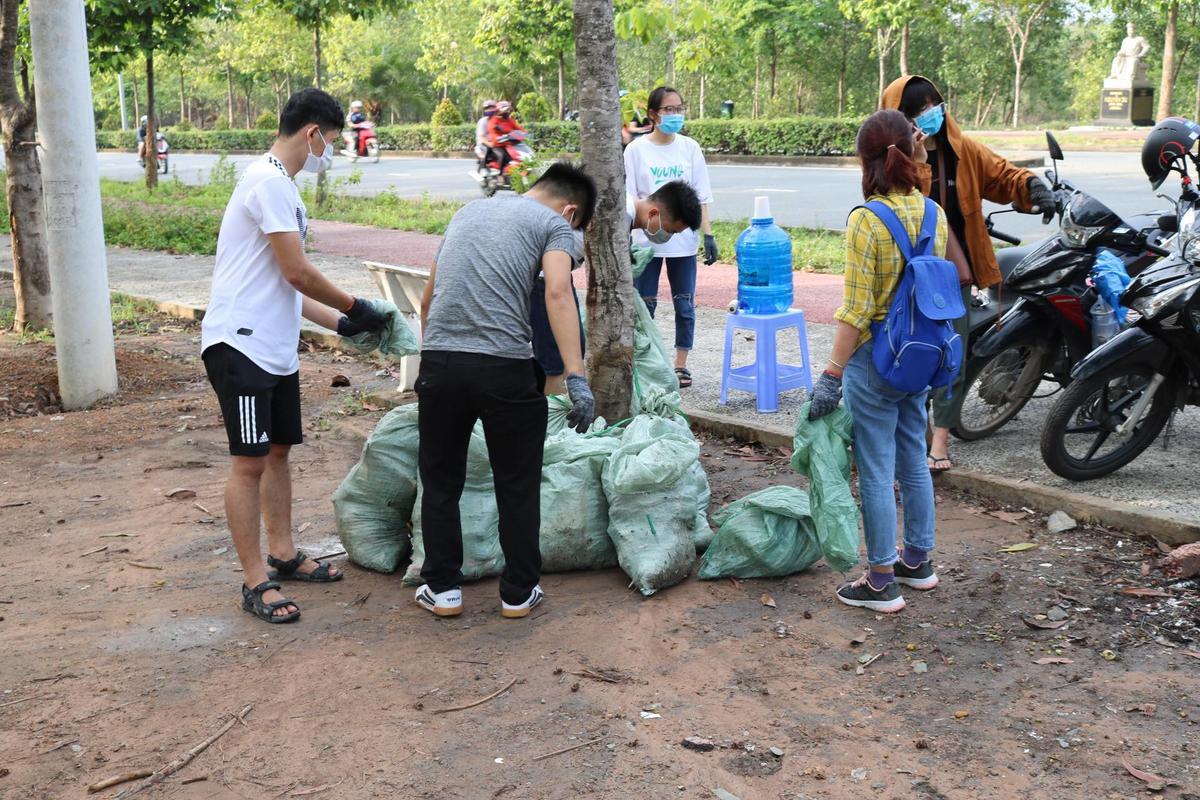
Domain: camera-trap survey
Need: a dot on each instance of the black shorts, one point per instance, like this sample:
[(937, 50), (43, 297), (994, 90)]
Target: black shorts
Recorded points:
[(260, 409), (545, 349)]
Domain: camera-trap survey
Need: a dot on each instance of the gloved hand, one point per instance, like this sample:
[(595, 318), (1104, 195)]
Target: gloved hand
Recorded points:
[(1041, 198), (825, 396), (711, 253), (583, 404), (361, 317)]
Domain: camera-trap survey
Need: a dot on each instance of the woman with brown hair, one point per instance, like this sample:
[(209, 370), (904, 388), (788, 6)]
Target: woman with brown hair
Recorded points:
[(889, 425)]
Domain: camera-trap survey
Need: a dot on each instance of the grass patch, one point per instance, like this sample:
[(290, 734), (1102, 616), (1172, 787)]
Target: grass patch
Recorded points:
[(813, 249), (386, 210)]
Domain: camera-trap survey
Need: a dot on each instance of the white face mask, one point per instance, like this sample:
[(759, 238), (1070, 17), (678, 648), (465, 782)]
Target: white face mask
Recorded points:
[(660, 236), (318, 163)]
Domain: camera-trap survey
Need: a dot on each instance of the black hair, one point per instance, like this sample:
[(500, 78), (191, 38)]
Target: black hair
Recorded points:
[(571, 183), (918, 93), (658, 95), (310, 106), (679, 202)]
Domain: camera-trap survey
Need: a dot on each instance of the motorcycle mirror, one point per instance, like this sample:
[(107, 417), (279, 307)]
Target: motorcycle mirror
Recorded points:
[(1168, 223), (1052, 145)]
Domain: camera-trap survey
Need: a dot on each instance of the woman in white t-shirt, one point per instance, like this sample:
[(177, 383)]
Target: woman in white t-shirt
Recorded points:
[(650, 161)]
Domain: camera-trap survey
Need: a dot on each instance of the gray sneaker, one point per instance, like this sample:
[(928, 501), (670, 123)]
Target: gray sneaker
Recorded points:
[(921, 577), (862, 595)]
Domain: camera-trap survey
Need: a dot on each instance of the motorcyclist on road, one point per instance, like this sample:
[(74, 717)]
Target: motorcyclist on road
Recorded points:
[(481, 133), (354, 122), (499, 127), (141, 133)]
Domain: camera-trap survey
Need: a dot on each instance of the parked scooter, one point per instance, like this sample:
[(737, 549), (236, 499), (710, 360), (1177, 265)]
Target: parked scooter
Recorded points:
[(1047, 330), (492, 178), (362, 142), (1124, 392)]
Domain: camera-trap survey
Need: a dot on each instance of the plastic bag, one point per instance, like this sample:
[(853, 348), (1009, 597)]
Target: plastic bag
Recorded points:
[(653, 502), (395, 341), (767, 534), (374, 503), (822, 453), (1111, 279), (655, 384)]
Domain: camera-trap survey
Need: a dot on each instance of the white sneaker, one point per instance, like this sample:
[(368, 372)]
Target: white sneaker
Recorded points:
[(536, 595), (443, 604)]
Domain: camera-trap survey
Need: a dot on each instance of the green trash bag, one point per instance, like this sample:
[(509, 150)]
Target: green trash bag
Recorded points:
[(374, 503), (653, 502), (655, 384), (395, 341), (767, 534), (822, 452)]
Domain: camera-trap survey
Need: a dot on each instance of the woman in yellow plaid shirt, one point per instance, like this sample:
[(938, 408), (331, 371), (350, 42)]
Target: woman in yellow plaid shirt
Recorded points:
[(889, 425)]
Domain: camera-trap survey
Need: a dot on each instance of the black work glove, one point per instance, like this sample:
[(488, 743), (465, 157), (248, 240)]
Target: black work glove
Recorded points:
[(711, 253), (1041, 199), (583, 404), (825, 396), (362, 317)]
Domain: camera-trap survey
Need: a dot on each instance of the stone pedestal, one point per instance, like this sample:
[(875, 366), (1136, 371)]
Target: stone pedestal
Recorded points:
[(1124, 103)]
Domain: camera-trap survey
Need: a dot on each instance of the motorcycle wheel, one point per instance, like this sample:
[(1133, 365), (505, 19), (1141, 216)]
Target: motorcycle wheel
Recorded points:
[(1085, 417), (489, 187), (164, 165), (997, 388), (373, 153)]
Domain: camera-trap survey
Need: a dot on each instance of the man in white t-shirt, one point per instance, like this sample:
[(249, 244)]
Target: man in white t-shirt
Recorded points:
[(262, 285)]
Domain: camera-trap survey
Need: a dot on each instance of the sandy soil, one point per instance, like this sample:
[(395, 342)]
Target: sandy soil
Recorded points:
[(124, 644)]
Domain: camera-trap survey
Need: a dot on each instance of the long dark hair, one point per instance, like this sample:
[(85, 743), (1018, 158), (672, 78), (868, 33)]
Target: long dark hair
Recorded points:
[(885, 149)]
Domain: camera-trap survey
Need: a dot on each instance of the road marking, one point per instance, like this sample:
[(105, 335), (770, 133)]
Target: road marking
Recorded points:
[(789, 191)]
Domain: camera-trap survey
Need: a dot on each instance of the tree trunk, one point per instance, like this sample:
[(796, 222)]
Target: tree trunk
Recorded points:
[(562, 85), (182, 96), (229, 91), (774, 63), (1019, 62), (151, 126), (290, 91), (320, 194), (317, 53), (1197, 114), (249, 119), (23, 179), (137, 106), (757, 82), (1166, 85), (703, 88), (882, 70), (610, 290), (800, 95), (904, 50)]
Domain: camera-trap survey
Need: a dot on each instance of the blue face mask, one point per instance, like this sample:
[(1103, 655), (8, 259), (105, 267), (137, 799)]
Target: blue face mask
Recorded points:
[(671, 123), (930, 121)]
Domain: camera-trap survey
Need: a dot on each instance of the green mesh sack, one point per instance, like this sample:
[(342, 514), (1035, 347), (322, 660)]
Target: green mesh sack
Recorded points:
[(822, 452)]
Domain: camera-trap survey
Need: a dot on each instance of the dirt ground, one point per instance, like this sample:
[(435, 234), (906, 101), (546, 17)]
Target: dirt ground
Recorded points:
[(124, 644)]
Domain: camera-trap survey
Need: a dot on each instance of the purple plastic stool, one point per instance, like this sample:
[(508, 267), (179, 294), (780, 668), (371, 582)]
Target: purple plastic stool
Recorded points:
[(766, 377)]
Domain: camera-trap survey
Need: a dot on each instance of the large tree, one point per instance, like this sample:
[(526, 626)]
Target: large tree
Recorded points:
[(23, 179), (610, 287), (536, 32), (1019, 18)]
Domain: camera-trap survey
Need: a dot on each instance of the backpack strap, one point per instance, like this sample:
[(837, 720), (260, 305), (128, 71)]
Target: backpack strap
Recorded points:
[(928, 234), (894, 225)]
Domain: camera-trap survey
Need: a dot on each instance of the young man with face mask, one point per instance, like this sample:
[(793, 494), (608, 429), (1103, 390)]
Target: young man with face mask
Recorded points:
[(477, 364), (262, 285)]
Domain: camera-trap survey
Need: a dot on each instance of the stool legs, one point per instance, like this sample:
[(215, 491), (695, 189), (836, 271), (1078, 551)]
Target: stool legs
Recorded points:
[(805, 364), (728, 360), (766, 390)]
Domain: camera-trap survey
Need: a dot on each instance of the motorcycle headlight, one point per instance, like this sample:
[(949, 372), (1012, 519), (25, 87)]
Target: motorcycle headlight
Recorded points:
[(1048, 279), (1150, 307), (1077, 235)]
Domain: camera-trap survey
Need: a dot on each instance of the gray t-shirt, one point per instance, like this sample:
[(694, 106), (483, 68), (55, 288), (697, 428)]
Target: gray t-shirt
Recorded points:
[(486, 267)]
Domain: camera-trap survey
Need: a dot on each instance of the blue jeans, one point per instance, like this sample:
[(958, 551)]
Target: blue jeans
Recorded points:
[(889, 446), (681, 274)]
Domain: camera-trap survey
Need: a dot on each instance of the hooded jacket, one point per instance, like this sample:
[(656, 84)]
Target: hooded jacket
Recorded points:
[(981, 175)]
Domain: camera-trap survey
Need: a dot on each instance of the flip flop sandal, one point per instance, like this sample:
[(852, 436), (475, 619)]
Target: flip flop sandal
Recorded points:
[(940, 460), (289, 570), (684, 376), (252, 602)]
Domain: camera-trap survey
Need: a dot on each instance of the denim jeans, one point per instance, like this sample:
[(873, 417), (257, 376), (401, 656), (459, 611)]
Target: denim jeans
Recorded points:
[(681, 274), (889, 445), (946, 411)]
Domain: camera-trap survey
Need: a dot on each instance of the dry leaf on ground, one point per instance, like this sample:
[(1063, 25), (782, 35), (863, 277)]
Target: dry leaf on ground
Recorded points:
[(767, 600), (1054, 660), (1019, 547)]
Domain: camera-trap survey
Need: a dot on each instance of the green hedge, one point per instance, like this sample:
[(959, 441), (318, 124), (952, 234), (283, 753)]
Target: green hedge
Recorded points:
[(794, 136)]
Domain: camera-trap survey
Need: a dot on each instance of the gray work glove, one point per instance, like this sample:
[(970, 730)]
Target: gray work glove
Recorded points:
[(1041, 199), (825, 396), (711, 253), (583, 404)]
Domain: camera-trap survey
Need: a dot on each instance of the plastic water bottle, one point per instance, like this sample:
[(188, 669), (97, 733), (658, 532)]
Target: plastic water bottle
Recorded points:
[(764, 258), (1104, 322)]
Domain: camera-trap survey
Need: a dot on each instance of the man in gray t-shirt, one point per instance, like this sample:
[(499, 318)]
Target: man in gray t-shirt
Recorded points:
[(477, 365)]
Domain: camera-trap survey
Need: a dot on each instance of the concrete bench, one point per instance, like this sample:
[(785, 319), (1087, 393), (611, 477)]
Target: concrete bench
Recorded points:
[(403, 286)]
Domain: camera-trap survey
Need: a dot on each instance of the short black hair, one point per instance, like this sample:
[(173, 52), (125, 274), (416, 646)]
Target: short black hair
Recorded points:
[(311, 106), (918, 93), (571, 182), (658, 95), (679, 201)]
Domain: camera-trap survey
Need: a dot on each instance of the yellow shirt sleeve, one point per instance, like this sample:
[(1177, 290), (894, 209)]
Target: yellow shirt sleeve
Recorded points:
[(858, 282)]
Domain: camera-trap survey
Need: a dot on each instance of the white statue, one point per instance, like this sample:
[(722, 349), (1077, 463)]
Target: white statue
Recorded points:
[(1127, 66)]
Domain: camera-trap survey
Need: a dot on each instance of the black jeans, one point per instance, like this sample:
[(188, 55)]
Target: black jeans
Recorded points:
[(454, 390)]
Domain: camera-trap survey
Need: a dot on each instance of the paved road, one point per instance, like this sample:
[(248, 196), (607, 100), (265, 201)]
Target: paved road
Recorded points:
[(805, 196)]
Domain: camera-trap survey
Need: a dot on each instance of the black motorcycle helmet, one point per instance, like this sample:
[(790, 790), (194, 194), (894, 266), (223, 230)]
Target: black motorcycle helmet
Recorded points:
[(1170, 140)]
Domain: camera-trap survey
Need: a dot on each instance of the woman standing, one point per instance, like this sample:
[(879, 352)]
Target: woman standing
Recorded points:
[(889, 425), (661, 156)]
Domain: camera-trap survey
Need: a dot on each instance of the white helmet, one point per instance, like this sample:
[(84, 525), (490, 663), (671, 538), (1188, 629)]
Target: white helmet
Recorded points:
[(355, 104), (144, 119)]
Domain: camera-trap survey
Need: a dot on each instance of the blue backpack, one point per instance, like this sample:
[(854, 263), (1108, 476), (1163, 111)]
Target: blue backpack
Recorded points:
[(916, 346)]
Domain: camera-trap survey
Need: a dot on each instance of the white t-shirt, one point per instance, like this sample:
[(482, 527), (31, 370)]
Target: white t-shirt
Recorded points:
[(649, 165), (253, 308)]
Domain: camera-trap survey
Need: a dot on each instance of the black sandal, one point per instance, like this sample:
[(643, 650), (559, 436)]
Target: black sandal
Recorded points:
[(288, 570), (252, 601), (685, 377)]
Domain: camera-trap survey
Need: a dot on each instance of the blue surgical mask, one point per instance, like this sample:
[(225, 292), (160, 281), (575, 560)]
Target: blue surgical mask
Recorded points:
[(931, 120), (671, 123)]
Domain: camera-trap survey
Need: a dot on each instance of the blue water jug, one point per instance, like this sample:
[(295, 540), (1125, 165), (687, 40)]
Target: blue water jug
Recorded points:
[(764, 259)]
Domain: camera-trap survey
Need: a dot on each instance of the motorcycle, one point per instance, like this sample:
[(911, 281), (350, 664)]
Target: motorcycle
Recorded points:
[(362, 142), (1124, 392), (491, 178), (1047, 330), (163, 149)]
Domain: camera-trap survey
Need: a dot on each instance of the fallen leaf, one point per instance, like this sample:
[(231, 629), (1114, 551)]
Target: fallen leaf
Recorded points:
[(370, 407), (304, 527), (1192, 653), (1054, 660), (1011, 517), (1018, 548), (1152, 781), (339, 380), (96, 498), (767, 600), (181, 494), (1146, 708), (1044, 624), (142, 565), (857, 639), (962, 714), (1137, 591), (1108, 655)]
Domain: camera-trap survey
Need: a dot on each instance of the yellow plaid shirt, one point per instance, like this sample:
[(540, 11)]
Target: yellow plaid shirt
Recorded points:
[(873, 261)]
